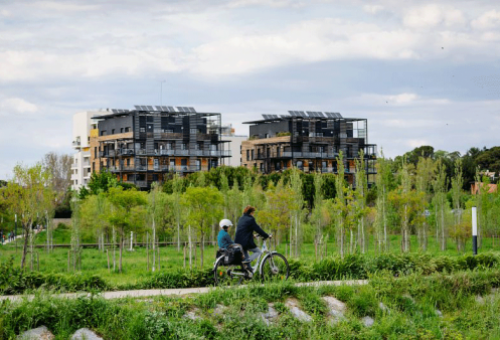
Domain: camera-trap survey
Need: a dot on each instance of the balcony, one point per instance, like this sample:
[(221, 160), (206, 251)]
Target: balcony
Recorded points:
[(76, 144)]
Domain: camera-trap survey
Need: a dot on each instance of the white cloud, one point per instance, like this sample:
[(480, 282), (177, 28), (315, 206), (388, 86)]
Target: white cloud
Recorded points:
[(431, 16), (9, 106), (488, 20)]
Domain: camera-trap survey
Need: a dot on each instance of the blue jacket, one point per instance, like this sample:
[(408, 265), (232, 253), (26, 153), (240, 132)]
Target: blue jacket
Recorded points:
[(244, 234), (223, 239)]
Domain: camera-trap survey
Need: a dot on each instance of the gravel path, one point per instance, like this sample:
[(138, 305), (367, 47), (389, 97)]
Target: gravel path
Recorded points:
[(167, 292)]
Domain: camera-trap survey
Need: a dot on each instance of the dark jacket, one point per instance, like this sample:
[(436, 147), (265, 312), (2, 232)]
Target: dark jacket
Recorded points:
[(244, 233)]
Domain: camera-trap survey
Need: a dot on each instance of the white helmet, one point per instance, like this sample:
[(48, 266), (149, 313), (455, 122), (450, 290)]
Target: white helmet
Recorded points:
[(225, 223)]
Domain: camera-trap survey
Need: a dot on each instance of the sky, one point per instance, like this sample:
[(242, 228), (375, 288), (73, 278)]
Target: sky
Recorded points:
[(423, 73)]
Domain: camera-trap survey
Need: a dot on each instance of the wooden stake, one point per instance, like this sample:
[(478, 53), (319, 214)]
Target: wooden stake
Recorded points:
[(184, 255), (147, 248), (107, 254)]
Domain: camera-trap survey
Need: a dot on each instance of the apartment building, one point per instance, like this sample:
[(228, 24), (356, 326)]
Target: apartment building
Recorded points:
[(310, 141), (229, 133), (148, 144), (81, 168)]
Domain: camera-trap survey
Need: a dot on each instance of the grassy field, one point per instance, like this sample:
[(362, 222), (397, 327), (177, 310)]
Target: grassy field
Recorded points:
[(458, 306), (95, 262)]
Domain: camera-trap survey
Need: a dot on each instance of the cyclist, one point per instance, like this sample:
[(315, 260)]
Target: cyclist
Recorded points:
[(244, 236)]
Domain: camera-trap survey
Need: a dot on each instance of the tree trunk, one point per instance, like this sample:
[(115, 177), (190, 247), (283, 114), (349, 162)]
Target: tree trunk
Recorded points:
[(178, 237), (154, 241), (121, 252), (25, 245), (201, 249), (190, 249), (114, 249)]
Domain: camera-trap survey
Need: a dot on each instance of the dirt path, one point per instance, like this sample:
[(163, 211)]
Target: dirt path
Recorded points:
[(168, 292)]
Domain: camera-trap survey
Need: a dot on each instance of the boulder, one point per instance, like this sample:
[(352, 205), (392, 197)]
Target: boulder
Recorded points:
[(368, 321), (85, 334), (192, 314), (297, 313), (40, 333), (336, 308)]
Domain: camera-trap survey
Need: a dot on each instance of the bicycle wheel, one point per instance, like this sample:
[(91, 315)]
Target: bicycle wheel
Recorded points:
[(275, 268), (223, 275)]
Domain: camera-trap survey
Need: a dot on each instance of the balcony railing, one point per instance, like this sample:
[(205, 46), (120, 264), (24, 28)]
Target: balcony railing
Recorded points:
[(76, 143)]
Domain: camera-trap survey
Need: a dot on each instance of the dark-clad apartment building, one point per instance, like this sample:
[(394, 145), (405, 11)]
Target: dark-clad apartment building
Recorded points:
[(147, 143), (310, 140)]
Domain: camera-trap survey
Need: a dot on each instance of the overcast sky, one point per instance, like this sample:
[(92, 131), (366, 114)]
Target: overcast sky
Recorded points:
[(421, 72)]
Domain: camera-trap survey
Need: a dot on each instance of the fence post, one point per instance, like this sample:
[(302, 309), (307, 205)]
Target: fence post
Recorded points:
[(474, 231)]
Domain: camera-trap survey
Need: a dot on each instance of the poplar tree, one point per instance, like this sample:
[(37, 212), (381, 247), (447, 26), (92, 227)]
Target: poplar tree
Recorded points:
[(381, 220), (28, 195), (456, 194)]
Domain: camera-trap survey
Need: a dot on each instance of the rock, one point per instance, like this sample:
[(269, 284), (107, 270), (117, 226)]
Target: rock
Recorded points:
[(439, 313), (85, 334), (334, 304), (219, 310), (40, 333), (299, 314), (368, 321), (270, 315), (383, 307), (336, 308), (192, 315), (479, 299)]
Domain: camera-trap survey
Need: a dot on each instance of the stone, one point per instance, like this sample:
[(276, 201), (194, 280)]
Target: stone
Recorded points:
[(368, 321), (336, 308), (219, 310), (334, 304), (271, 313), (85, 334), (479, 299), (297, 313), (439, 313), (40, 333), (192, 315)]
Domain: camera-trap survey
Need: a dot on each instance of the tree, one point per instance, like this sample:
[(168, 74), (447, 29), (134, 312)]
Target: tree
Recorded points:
[(28, 195), (383, 186), (157, 210), (59, 168), (360, 198), (456, 194), (296, 210), (94, 213), (177, 189), (440, 203), (425, 174), (204, 205), (127, 213)]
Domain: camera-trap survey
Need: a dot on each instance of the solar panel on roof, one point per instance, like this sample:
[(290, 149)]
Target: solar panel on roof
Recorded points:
[(329, 115), (170, 108), (180, 108), (192, 109), (310, 113), (266, 116), (150, 108), (284, 116), (163, 108), (302, 114), (320, 115), (275, 116), (339, 115), (137, 107), (159, 108)]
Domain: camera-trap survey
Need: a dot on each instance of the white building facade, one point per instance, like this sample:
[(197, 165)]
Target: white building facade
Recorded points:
[(81, 168), (228, 133)]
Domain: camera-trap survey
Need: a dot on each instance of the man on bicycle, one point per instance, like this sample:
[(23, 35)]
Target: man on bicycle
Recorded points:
[(244, 236)]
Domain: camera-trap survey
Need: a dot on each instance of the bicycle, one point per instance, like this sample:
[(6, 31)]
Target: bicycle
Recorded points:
[(271, 266)]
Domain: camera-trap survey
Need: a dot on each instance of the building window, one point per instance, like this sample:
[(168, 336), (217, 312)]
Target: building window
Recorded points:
[(121, 130), (128, 161), (127, 129), (248, 155), (112, 131), (193, 131), (252, 151), (103, 133), (142, 129), (261, 167)]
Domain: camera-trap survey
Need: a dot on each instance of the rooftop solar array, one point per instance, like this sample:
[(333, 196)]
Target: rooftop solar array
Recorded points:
[(315, 114), (119, 110), (334, 115), (186, 109), (297, 114), (268, 116)]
